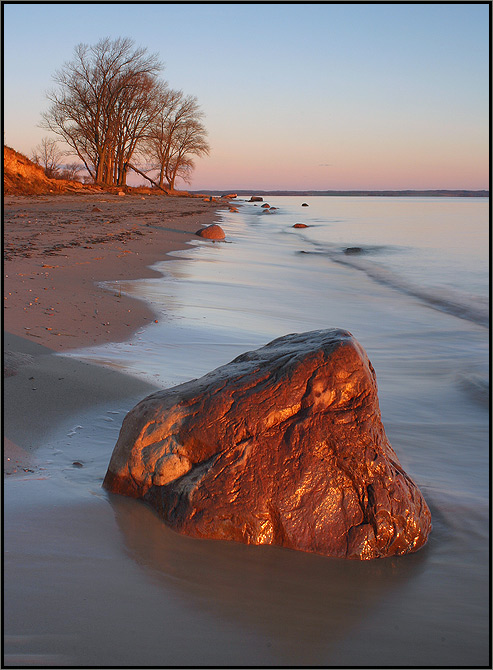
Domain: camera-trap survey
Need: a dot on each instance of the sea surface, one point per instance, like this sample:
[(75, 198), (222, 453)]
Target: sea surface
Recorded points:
[(409, 277)]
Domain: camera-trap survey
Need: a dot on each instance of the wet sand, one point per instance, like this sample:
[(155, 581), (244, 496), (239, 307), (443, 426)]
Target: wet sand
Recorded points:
[(45, 390), (57, 249)]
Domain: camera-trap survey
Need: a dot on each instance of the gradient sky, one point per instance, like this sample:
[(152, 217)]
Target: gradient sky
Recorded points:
[(296, 96)]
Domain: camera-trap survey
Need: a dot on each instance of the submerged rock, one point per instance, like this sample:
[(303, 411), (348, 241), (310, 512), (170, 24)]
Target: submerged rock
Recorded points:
[(212, 232), (353, 250), (283, 445)]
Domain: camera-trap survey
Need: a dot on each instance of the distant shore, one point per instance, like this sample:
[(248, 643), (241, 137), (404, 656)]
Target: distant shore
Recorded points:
[(399, 194)]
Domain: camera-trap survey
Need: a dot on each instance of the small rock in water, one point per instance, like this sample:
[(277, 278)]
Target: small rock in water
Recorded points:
[(300, 225), (213, 232), (353, 250)]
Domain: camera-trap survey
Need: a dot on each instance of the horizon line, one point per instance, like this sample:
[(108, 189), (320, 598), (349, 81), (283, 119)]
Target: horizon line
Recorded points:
[(287, 191)]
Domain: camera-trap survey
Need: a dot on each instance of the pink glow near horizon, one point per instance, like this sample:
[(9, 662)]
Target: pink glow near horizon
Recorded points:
[(376, 158), (380, 172)]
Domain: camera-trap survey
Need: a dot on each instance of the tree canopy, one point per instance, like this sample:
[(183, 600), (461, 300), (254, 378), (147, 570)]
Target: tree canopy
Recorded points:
[(110, 104)]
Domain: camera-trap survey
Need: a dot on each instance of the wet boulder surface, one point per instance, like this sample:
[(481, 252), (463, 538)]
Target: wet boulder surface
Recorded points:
[(283, 445)]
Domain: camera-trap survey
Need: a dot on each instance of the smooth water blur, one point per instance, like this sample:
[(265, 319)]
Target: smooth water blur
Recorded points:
[(269, 279), (433, 241), (415, 297)]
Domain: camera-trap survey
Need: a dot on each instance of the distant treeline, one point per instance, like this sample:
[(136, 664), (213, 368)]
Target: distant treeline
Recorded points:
[(408, 193)]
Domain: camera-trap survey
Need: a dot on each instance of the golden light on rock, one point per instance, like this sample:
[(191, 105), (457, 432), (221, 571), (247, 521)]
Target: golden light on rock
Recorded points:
[(284, 445)]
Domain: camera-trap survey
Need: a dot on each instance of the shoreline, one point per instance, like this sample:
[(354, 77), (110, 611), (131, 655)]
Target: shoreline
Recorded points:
[(57, 250)]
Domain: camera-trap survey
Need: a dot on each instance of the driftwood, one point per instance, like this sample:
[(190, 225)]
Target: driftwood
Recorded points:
[(148, 178)]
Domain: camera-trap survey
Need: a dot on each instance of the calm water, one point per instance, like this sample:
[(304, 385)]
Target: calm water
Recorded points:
[(415, 295)]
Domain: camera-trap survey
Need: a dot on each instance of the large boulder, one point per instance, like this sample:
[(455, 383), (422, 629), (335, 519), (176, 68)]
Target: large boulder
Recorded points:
[(284, 445)]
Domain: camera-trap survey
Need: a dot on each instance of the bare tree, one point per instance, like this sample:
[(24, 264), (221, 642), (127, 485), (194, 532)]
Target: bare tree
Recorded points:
[(70, 171), (188, 141), (175, 135), (48, 156), (136, 108), (105, 99)]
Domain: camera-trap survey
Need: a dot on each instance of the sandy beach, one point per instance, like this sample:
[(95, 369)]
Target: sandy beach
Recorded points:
[(57, 249)]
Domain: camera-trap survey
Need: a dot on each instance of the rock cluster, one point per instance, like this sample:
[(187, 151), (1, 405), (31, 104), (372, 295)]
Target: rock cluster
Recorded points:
[(284, 445)]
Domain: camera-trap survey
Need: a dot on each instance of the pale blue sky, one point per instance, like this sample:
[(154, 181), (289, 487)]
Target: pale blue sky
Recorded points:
[(295, 95)]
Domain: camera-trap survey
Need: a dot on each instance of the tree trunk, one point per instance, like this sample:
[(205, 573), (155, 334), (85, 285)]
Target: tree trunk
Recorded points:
[(100, 171), (122, 177)]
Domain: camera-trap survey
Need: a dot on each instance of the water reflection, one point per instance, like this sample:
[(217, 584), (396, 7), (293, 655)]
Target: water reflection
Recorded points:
[(302, 603)]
